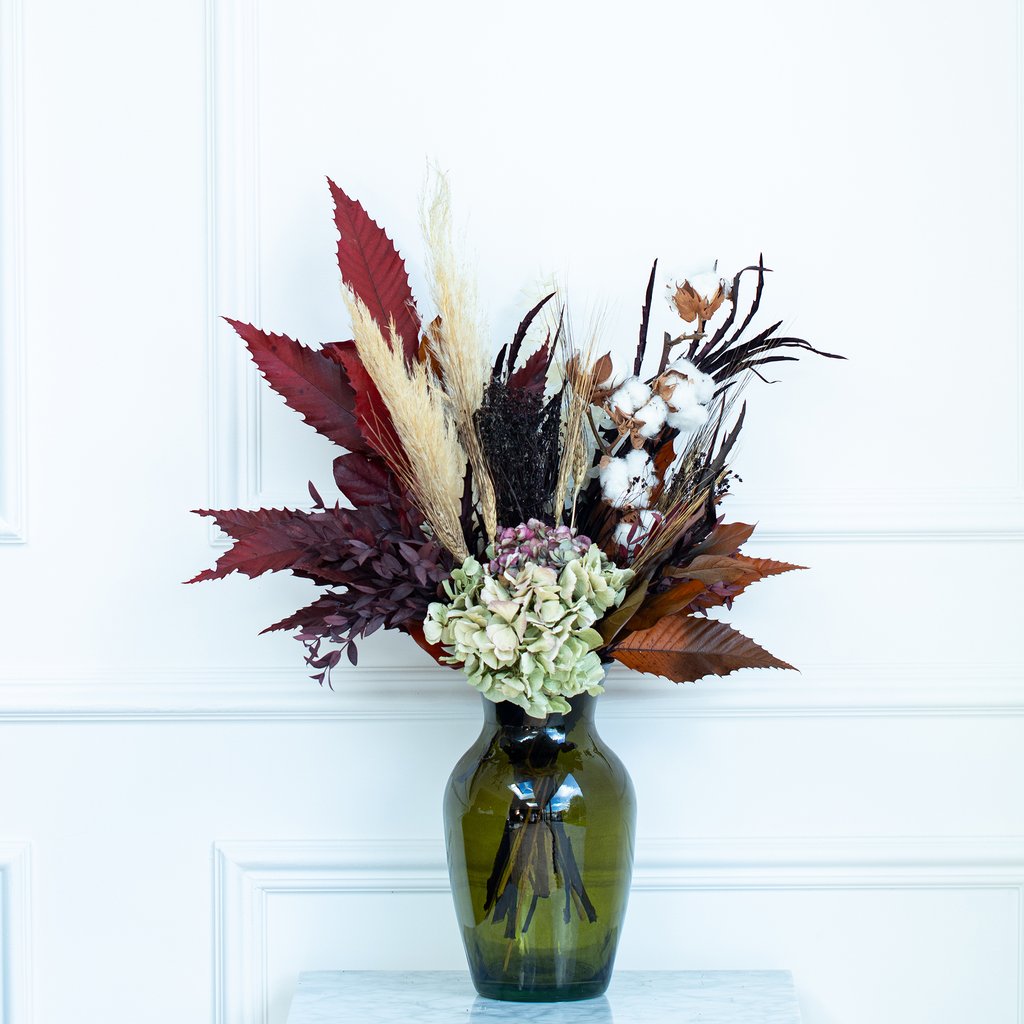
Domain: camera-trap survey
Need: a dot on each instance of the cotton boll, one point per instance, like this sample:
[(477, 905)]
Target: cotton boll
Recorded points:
[(638, 463), (706, 284), (630, 395), (651, 417), (614, 481), (706, 387), (627, 481), (688, 418), (703, 384), (622, 534), (631, 535)]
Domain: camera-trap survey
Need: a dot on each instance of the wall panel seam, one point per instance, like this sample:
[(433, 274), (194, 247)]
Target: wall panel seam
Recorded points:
[(13, 462)]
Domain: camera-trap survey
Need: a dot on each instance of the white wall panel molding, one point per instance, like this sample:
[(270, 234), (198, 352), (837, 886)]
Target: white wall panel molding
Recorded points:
[(15, 924), (232, 190), (415, 694), (247, 874), (12, 257), (855, 513)]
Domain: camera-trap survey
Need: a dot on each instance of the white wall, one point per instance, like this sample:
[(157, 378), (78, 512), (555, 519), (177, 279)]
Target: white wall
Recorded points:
[(186, 821)]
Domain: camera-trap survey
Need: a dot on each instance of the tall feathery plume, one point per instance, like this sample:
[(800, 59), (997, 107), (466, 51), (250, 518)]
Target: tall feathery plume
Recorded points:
[(456, 339), (433, 466)]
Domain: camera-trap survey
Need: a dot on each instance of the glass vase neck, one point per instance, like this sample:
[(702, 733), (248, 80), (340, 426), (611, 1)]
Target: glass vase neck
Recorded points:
[(507, 715)]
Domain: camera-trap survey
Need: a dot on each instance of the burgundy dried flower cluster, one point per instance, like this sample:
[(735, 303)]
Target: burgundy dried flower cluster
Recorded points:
[(534, 541)]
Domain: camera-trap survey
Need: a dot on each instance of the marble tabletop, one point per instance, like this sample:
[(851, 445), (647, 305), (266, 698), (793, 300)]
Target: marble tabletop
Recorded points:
[(634, 997)]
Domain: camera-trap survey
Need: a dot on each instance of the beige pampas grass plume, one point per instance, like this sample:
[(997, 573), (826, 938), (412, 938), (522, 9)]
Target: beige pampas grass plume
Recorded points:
[(432, 467), (457, 341)]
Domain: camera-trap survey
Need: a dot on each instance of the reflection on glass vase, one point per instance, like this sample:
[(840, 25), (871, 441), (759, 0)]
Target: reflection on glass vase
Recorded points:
[(539, 823)]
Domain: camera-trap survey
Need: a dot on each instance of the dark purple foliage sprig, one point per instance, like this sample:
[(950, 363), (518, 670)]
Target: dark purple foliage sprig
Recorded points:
[(389, 567)]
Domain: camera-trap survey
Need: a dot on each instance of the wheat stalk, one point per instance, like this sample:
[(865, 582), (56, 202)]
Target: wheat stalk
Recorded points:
[(431, 466), (458, 345)]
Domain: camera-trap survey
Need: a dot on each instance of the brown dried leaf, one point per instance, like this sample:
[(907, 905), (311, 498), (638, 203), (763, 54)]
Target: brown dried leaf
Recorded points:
[(684, 648)]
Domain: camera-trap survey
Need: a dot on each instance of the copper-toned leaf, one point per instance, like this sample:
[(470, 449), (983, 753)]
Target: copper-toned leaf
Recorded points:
[(371, 267), (602, 369), (713, 569), (768, 566), (684, 648), (725, 539), (612, 625), (429, 343), (664, 457), (436, 651), (668, 602)]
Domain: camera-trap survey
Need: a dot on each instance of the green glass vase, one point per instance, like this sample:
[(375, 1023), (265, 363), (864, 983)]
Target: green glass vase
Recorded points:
[(539, 820)]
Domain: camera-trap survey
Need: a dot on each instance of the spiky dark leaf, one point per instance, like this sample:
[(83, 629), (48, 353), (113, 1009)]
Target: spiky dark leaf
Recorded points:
[(645, 320)]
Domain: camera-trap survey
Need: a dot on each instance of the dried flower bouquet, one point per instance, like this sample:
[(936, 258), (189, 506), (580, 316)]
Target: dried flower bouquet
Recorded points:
[(526, 519)]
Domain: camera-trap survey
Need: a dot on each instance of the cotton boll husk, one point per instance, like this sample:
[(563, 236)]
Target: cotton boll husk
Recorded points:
[(651, 417)]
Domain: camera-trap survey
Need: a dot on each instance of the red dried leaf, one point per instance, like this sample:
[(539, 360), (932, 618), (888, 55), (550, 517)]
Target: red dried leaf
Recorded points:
[(309, 617), (262, 542), (683, 648), (371, 266), (372, 414), (532, 375), (312, 383), (365, 481)]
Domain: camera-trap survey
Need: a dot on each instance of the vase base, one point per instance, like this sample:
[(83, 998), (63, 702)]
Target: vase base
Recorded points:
[(554, 994)]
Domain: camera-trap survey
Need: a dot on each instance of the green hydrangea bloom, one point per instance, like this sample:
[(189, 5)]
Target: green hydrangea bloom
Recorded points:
[(527, 635)]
